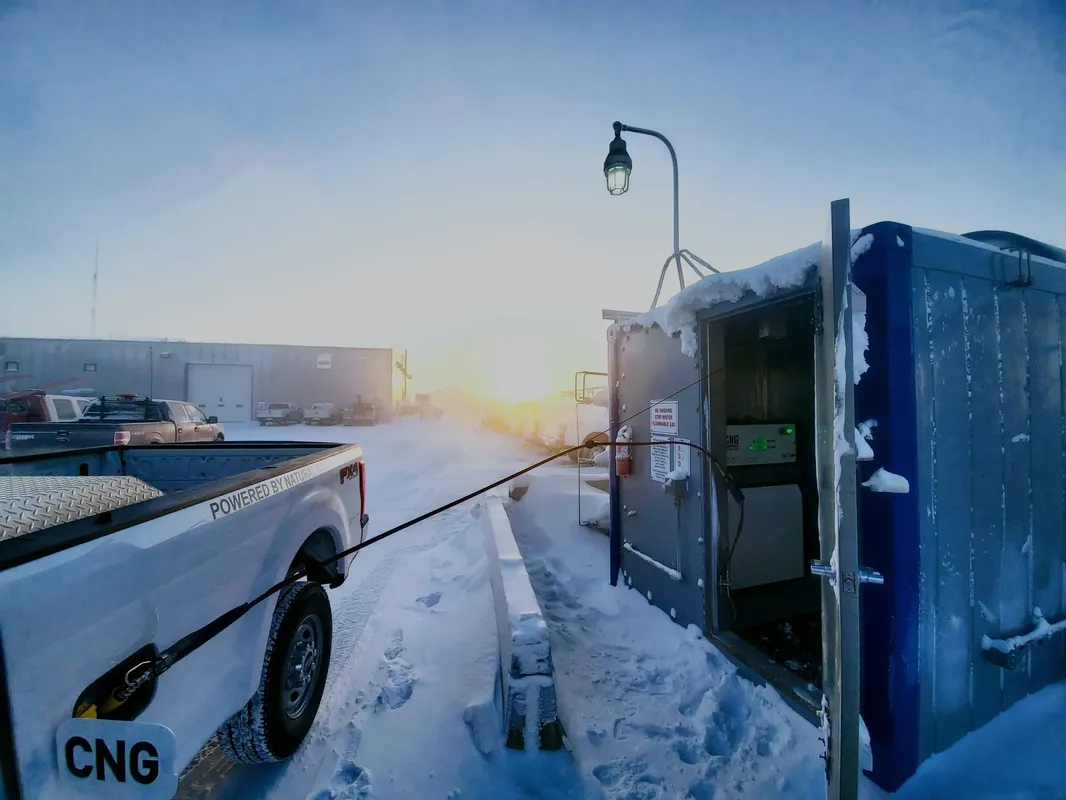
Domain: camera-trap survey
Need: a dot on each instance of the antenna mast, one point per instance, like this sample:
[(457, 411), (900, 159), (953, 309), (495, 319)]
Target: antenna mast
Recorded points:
[(96, 273)]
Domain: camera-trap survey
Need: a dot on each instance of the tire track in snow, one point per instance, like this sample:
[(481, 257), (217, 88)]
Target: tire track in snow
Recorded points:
[(435, 464)]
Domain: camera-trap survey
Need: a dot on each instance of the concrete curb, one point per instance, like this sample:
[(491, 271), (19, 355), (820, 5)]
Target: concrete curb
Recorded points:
[(530, 716)]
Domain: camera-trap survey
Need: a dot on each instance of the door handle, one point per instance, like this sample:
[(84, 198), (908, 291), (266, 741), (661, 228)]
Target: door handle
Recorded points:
[(866, 575), (180, 430)]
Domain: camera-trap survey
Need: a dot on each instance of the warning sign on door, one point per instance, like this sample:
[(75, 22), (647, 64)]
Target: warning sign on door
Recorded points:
[(664, 417), (660, 459)]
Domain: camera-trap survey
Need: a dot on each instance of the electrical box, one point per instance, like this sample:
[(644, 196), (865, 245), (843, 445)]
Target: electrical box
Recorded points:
[(770, 548), (749, 445)]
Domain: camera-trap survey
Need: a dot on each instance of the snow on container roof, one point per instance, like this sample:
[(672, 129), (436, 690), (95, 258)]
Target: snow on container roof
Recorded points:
[(678, 316), (790, 271)]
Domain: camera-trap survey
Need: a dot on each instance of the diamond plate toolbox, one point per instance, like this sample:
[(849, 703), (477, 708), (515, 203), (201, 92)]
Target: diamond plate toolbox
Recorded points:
[(29, 504)]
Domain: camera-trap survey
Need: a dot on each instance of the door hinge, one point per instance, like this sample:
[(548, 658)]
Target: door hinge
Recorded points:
[(817, 320)]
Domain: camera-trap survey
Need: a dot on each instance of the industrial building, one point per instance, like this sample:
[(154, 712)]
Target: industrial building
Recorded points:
[(224, 380)]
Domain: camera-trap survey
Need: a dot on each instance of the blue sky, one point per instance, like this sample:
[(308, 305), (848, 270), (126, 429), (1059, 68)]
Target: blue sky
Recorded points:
[(429, 174)]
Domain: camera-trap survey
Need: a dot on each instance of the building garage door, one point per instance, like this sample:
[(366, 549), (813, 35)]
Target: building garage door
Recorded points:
[(222, 390)]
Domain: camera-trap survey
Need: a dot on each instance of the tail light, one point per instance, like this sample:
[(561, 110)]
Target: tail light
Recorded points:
[(122, 437), (362, 492)]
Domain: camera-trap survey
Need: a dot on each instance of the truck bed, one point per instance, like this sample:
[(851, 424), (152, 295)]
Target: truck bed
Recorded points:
[(104, 489)]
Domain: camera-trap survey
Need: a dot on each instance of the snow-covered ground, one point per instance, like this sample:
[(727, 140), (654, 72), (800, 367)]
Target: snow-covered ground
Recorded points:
[(415, 640), (654, 711), (651, 710)]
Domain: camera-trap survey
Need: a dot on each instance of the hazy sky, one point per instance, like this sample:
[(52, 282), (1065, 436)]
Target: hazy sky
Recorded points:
[(429, 175)]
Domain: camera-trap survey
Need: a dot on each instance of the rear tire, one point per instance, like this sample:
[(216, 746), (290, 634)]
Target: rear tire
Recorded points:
[(274, 723), (220, 438)]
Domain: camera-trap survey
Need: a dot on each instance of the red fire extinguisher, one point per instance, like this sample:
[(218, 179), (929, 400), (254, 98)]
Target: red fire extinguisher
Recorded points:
[(623, 456)]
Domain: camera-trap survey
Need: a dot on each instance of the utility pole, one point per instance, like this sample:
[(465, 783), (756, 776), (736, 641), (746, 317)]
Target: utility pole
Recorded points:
[(402, 367), (96, 274)]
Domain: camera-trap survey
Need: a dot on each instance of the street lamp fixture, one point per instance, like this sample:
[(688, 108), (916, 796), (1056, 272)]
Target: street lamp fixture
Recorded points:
[(616, 168), (618, 164)]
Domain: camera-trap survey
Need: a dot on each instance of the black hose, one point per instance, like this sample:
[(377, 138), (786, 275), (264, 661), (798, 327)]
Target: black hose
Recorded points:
[(193, 641)]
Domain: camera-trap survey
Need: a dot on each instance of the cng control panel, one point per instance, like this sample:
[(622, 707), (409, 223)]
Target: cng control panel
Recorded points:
[(750, 445)]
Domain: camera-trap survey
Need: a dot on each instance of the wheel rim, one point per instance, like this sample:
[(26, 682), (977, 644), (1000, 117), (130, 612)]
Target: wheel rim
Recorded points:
[(301, 666)]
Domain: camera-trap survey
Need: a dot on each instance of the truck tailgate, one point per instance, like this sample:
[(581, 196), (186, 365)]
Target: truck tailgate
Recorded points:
[(31, 437), (26, 437)]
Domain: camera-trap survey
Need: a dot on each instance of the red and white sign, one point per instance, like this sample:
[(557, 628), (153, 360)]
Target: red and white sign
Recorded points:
[(664, 417)]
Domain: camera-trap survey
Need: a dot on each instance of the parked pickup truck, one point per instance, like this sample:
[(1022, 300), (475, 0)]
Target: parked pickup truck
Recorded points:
[(280, 414), (120, 420), (360, 413), (36, 405), (324, 414), (110, 555)]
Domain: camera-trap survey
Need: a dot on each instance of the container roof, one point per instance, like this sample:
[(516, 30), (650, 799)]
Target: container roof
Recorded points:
[(788, 271)]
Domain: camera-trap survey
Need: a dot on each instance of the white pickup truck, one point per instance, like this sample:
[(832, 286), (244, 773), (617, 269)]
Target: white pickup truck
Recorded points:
[(111, 555)]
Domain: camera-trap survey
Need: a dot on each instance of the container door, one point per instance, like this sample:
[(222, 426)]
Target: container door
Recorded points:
[(838, 530)]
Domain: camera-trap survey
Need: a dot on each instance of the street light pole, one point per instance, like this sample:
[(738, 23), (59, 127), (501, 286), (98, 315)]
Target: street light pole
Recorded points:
[(673, 160), (617, 168)]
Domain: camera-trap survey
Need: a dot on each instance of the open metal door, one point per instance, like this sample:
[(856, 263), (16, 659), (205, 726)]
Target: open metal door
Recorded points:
[(838, 514)]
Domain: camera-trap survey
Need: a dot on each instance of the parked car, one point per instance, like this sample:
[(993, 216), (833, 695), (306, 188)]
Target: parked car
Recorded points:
[(325, 414), (281, 414), (360, 413), (421, 406), (153, 544), (120, 420), (34, 405)]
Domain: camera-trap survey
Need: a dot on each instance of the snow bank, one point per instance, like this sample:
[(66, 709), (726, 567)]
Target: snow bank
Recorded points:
[(1019, 754), (596, 510), (679, 315), (529, 712)]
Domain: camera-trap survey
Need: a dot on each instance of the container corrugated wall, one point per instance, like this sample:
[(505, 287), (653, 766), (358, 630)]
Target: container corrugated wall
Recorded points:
[(988, 374)]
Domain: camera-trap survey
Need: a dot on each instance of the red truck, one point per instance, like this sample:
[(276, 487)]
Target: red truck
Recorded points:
[(36, 405)]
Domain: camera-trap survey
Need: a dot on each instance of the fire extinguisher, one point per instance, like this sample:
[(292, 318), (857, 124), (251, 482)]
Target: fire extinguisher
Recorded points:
[(623, 456)]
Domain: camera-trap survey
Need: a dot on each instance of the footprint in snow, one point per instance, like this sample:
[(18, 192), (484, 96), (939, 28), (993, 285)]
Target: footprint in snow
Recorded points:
[(429, 600), (629, 778), (354, 783), (399, 678)]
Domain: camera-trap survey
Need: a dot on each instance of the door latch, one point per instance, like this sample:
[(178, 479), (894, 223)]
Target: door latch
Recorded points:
[(866, 575)]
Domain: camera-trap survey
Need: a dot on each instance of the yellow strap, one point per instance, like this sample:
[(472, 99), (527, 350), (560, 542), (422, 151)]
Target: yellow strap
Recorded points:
[(86, 711)]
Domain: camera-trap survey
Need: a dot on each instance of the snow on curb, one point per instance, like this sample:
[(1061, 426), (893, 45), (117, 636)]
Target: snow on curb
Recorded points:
[(525, 651)]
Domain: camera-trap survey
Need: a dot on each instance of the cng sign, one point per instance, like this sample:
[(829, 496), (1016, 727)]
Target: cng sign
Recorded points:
[(112, 759)]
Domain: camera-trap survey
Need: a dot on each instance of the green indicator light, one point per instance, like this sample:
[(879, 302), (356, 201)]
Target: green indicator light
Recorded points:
[(789, 431), (758, 444)]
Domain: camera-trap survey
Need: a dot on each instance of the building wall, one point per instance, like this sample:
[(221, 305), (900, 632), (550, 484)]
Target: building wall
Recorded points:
[(280, 372)]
